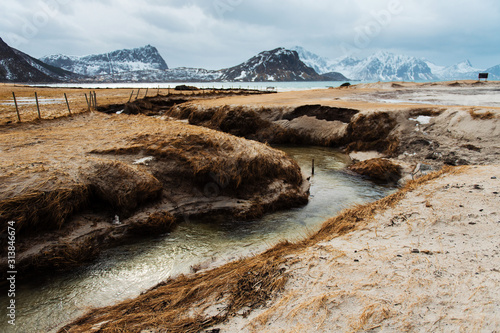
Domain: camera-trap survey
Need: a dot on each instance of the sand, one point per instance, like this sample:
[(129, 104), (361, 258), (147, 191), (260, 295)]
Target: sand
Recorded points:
[(430, 264)]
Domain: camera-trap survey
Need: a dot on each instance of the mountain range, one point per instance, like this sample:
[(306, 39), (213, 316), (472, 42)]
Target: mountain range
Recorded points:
[(145, 64), (386, 66)]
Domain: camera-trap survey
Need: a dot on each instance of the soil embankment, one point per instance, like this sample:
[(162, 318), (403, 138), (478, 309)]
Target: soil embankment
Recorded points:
[(79, 184)]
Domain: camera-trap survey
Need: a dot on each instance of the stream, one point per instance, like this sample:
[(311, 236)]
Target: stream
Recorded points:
[(126, 271)]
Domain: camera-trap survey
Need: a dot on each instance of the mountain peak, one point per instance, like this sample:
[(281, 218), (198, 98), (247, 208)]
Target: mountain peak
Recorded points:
[(279, 64), (119, 61)]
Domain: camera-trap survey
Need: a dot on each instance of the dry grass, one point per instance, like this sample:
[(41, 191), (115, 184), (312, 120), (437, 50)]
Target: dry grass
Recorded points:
[(178, 305), (482, 115), (372, 132), (379, 169), (52, 169), (53, 104), (37, 211)]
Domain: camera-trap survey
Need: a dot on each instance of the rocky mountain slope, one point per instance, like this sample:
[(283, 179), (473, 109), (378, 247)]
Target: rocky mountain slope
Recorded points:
[(116, 62), (16, 66)]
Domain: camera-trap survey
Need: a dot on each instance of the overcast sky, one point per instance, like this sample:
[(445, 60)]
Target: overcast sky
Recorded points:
[(215, 34)]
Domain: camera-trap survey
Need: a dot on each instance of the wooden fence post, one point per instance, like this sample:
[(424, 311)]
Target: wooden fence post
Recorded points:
[(17, 109), (95, 100), (67, 103), (138, 91), (88, 104), (130, 98), (313, 167), (91, 105), (146, 95), (37, 106)]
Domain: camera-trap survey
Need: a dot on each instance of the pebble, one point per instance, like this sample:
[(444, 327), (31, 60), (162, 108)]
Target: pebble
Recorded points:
[(415, 251)]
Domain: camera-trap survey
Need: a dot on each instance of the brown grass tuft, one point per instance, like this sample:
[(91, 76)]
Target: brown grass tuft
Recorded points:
[(42, 210), (372, 132), (481, 116), (378, 168), (122, 186)]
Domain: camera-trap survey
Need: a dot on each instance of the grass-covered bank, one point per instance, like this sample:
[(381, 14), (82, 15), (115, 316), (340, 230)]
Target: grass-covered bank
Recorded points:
[(78, 184)]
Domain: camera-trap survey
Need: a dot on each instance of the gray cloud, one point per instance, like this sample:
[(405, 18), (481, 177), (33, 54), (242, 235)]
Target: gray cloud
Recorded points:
[(220, 33)]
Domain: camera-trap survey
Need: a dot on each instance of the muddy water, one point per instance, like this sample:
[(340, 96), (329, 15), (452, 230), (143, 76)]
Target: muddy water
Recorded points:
[(126, 271)]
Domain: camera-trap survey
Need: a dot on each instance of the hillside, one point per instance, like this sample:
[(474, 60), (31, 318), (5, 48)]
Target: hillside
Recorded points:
[(16, 66)]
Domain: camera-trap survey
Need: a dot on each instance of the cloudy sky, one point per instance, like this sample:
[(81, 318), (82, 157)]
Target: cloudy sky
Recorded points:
[(215, 34)]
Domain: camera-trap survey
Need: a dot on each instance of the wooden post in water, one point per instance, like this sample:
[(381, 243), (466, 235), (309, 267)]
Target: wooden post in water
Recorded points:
[(313, 167), (67, 103), (17, 109), (37, 106), (130, 98)]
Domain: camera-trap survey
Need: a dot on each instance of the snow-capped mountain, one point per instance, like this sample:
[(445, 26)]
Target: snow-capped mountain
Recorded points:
[(116, 62), (461, 71), (16, 66), (318, 63), (276, 65), (494, 72), (381, 66), (181, 74)]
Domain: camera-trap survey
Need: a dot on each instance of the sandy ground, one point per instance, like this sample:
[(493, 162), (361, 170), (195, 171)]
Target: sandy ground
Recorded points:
[(430, 264)]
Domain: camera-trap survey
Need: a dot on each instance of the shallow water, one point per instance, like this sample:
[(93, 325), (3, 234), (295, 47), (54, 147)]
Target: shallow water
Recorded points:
[(126, 271)]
